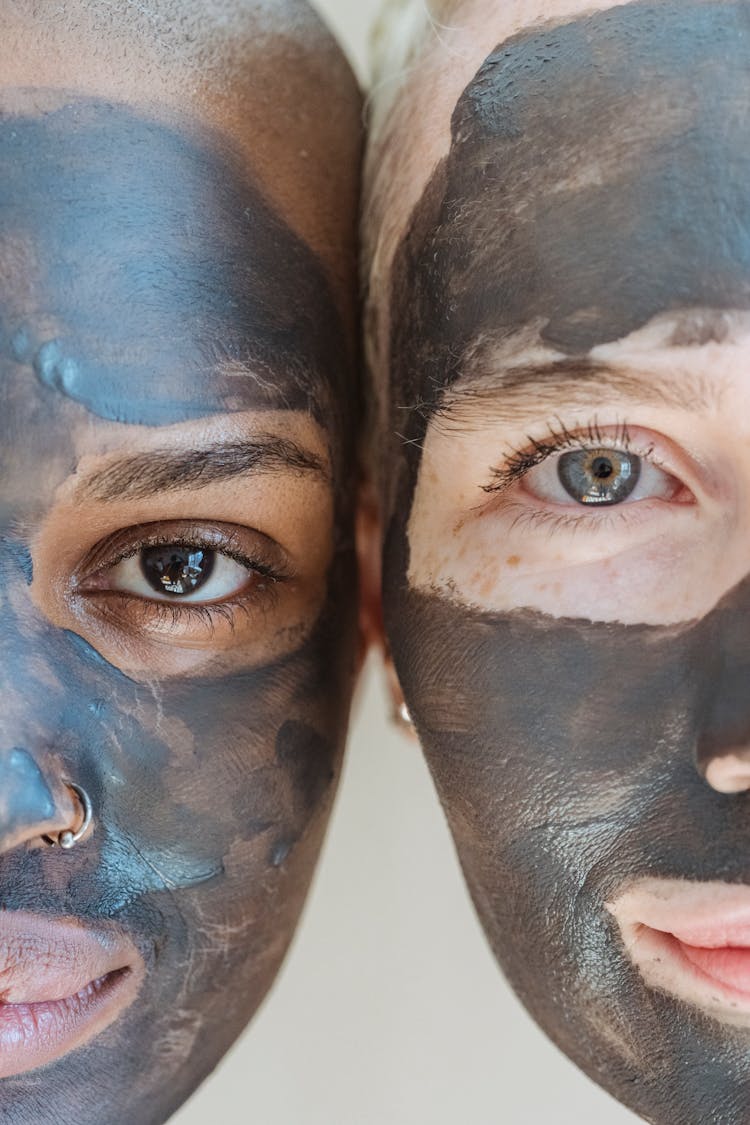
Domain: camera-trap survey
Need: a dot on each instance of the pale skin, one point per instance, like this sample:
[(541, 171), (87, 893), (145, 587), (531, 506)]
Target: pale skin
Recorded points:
[(453, 531), (554, 651)]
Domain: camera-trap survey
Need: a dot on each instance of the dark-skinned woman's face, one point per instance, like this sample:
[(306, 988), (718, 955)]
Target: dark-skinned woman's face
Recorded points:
[(568, 533), (178, 633)]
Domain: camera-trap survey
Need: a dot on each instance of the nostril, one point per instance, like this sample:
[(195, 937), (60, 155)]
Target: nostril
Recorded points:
[(33, 798), (729, 772)]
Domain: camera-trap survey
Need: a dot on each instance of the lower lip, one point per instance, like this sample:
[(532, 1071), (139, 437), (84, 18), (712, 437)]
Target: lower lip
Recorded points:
[(36, 1034), (718, 979), (727, 967)]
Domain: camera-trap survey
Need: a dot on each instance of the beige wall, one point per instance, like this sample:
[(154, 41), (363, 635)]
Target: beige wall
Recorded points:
[(390, 1010)]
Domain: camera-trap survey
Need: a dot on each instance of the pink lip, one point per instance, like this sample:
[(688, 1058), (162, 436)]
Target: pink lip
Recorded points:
[(61, 983), (691, 940)]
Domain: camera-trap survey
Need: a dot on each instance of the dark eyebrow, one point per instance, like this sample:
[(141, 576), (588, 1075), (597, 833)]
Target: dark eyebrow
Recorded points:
[(519, 392), (170, 470)]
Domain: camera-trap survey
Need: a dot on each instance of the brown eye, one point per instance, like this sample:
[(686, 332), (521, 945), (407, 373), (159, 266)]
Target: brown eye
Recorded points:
[(185, 572), (176, 570), (599, 476)]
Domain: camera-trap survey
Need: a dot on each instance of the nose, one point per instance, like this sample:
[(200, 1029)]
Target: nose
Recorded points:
[(730, 772), (34, 799)]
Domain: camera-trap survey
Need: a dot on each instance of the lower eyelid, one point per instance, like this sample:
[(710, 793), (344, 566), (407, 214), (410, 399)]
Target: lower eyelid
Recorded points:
[(591, 518), (132, 612)]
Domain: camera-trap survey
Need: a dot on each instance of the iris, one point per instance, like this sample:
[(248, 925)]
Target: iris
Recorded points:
[(177, 570), (599, 476)]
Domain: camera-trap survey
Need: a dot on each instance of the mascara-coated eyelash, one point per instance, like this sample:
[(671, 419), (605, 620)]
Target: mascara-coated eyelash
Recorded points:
[(263, 563), (520, 462)]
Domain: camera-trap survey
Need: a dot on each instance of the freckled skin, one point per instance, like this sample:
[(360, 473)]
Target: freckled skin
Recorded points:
[(598, 175), (210, 791)]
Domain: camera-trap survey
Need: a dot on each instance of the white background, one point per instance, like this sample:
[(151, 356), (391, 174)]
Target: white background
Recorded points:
[(390, 1009)]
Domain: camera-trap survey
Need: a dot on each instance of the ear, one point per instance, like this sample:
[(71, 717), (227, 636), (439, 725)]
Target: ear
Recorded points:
[(369, 534)]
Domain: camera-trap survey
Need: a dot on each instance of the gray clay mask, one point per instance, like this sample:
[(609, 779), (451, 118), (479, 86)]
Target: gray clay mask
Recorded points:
[(569, 753), (575, 749), (147, 283)]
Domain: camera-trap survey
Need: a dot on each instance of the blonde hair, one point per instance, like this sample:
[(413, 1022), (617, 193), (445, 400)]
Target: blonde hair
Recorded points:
[(402, 34), (401, 31)]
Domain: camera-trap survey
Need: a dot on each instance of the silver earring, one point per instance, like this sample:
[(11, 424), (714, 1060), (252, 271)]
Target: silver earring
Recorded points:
[(69, 837), (402, 717)]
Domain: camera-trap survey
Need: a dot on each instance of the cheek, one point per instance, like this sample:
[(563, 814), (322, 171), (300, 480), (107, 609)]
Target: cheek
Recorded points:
[(631, 564), (198, 771), (549, 741), (182, 775)]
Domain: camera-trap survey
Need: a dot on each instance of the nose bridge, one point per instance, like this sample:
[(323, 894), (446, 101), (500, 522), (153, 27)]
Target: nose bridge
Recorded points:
[(31, 689), (34, 799)]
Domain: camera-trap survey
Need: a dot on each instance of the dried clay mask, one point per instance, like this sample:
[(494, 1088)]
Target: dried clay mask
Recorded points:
[(178, 617), (566, 560)]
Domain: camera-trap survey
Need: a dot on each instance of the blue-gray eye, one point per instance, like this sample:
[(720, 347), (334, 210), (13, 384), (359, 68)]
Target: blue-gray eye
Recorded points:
[(176, 570), (599, 476)]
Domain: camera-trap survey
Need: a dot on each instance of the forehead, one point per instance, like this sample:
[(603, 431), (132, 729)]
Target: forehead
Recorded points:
[(605, 162), (596, 177), (266, 73), (146, 277)]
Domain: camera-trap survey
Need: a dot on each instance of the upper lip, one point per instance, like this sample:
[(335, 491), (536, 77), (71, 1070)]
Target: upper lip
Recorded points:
[(44, 959), (710, 915), (690, 939)]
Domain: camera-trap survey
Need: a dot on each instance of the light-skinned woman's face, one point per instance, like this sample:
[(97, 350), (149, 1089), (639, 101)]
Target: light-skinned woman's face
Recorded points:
[(567, 333), (178, 635)]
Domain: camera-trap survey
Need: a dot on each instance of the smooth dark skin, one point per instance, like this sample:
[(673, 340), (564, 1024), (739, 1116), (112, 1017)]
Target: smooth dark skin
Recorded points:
[(148, 258), (568, 754)]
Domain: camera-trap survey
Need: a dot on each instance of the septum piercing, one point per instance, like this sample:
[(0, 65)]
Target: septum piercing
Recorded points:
[(68, 838)]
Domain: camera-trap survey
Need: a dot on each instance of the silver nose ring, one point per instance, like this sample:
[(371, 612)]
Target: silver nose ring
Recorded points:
[(69, 837)]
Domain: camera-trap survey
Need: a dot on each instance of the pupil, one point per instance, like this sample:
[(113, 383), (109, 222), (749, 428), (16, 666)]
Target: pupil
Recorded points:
[(602, 468), (599, 476), (176, 570)]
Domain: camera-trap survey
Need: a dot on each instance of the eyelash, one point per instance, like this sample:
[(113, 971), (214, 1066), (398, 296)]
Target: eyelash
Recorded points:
[(175, 613), (559, 438), (520, 462)]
